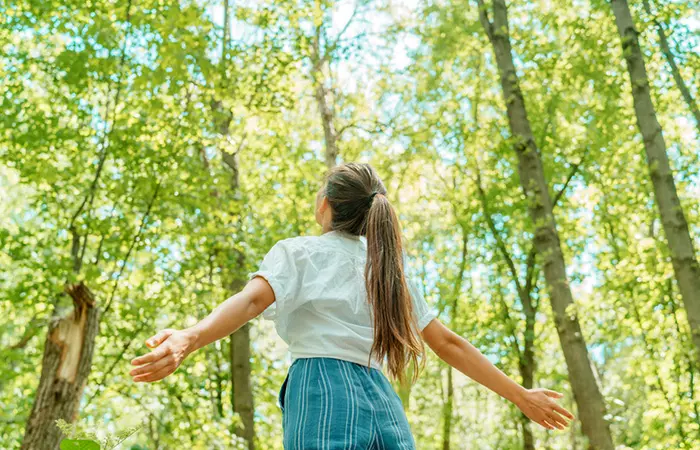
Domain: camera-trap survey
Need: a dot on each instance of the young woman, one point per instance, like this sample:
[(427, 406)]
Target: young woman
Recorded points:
[(344, 307)]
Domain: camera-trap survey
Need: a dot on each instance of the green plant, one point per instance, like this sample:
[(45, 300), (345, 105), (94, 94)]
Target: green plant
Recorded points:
[(79, 438)]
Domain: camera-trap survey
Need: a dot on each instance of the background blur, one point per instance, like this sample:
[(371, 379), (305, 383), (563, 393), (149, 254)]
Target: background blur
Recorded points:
[(151, 152)]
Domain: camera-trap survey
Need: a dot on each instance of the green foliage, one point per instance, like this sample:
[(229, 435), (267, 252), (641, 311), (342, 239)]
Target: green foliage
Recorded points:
[(80, 438), (75, 444), (157, 94)]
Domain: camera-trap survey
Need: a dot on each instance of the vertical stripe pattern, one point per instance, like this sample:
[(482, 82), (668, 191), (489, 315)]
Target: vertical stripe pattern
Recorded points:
[(331, 404)]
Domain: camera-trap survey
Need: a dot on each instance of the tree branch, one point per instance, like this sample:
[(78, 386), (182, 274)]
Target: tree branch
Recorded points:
[(484, 19), (572, 173), (136, 239), (496, 234)]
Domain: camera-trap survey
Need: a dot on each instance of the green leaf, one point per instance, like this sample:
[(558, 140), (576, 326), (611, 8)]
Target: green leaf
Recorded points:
[(79, 444)]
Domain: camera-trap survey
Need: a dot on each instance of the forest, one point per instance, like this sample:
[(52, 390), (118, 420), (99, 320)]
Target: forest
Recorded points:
[(543, 156)]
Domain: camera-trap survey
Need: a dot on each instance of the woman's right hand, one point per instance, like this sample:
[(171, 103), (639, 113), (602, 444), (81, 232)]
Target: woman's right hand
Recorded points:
[(170, 348)]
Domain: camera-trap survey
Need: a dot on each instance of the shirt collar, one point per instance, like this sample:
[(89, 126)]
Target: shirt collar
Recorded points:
[(336, 233)]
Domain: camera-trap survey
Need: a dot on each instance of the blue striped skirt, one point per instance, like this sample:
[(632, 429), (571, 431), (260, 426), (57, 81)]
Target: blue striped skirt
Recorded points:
[(331, 404)]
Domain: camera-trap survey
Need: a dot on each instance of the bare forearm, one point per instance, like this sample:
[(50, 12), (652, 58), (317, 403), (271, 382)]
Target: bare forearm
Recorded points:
[(463, 356), (225, 319), (171, 347)]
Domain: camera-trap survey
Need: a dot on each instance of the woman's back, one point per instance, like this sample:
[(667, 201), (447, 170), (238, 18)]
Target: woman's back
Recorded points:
[(321, 307)]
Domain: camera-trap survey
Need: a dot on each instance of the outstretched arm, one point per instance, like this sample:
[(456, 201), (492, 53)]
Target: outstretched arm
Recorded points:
[(171, 347), (537, 404)]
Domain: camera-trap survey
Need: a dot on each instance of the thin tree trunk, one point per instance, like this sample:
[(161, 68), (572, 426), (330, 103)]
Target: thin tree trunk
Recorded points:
[(448, 406), (241, 392), (330, 135), (527, 365), (65, 367), (587, 394), (680, 243), (671, 59), (447, 412), (219, 384), (239, 342), (526, 357)]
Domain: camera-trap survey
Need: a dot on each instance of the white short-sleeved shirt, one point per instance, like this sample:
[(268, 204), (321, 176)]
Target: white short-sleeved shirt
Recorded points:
[(321, 307)]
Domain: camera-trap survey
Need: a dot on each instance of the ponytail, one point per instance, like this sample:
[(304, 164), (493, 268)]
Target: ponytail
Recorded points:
[(358, 201), (396, 336)]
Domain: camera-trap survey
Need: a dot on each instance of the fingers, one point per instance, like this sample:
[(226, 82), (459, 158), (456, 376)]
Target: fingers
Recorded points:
[(158, 339), (152, 367), (563, 412), (552, 394), (556, 420), (546, 424), (155, 376), (155, 355)]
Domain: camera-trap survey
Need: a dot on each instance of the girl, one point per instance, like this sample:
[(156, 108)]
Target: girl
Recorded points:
[(343, 305)]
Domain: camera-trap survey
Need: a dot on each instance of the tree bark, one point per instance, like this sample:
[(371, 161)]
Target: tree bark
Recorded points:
[(526, 364), (675, 71), (239, 342), (448, 406), (329, 134), (586, 392), (241, 392), (65, 367), (680, 243)]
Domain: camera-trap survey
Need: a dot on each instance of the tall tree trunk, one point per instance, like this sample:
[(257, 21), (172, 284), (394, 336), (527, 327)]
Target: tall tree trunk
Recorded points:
[(685, 264), (65, 367), (671, 59), (587, 394)]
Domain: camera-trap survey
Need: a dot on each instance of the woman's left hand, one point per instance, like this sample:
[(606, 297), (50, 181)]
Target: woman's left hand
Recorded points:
[(540, 407)]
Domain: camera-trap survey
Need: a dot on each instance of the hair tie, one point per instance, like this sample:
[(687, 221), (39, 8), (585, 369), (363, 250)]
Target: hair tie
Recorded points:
[(371, 198)]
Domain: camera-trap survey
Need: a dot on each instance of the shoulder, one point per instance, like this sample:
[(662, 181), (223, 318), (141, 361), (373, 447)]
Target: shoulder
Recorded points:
[(298, 245)]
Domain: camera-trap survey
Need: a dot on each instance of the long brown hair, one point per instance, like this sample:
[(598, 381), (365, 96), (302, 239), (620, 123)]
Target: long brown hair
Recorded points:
[(360, 207)]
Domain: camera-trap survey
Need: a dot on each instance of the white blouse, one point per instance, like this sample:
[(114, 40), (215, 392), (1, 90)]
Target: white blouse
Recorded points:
[(321, 307)]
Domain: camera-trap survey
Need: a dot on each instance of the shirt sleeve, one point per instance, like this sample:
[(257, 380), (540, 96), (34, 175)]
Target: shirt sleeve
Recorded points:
[(280, 271), (424, 313)]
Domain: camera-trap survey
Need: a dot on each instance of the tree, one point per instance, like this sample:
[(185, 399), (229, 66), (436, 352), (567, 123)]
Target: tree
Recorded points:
[(680, 243), (590, 401)]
